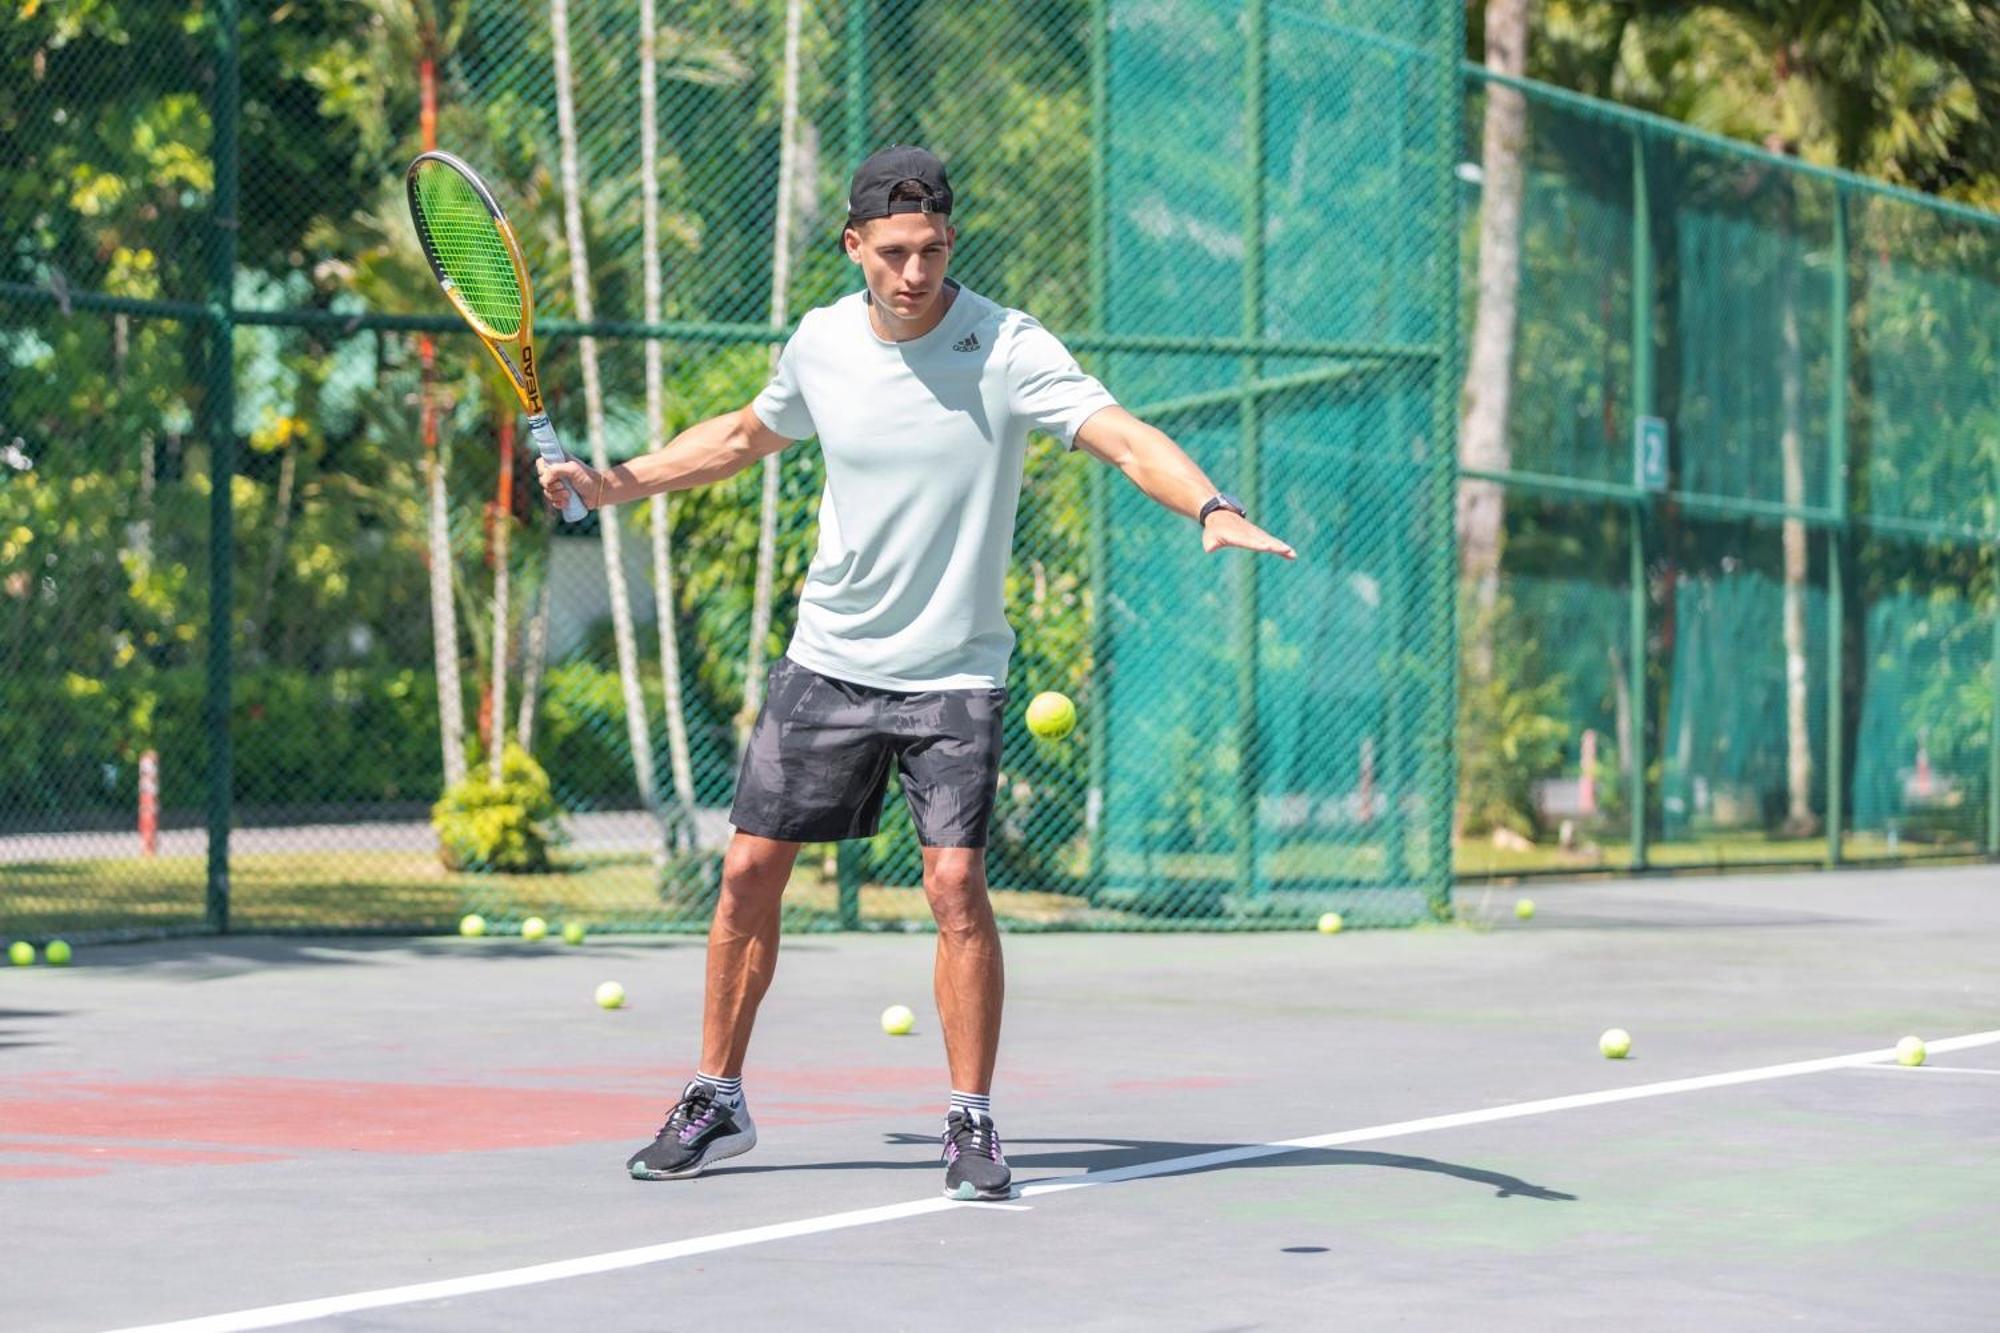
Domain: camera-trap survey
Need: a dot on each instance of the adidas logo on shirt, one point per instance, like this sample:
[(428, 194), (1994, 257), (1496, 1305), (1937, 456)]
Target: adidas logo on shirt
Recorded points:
[(969, 343)]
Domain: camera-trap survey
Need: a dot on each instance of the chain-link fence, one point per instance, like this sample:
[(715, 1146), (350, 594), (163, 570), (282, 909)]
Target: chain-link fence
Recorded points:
[(1746, 608), (1239, 214), (1743, 607)]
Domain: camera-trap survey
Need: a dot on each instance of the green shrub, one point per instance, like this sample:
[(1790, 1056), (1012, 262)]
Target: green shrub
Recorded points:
[(508, 826)]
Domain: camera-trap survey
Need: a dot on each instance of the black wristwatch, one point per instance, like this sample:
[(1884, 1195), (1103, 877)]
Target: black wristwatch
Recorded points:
[(1217, 501)]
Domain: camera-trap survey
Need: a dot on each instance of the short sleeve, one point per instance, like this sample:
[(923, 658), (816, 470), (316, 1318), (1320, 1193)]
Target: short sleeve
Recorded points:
[(1047, 387), (782, 404)]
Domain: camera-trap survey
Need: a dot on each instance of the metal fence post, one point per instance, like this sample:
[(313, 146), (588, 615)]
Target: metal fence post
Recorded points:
[(1642, 405), (1249, 417), (1097, 717), (219, 406), (1993, 739), (1836, 540), (850, 858)]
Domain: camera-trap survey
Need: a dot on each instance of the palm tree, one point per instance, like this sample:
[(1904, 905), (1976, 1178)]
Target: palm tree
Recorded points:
[(638, 732), (781, 274), (663, 570)]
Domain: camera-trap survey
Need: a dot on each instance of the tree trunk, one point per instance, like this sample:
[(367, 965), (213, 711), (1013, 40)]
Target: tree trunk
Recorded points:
[(781, 275), (639, 734), (499, 540), (281, 526), (444, 615), (1799, 818), (1490, 362), (663, 568), (534, 660)]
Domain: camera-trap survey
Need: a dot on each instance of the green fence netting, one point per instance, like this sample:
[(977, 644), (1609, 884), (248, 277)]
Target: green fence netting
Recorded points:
[(1779, 647)]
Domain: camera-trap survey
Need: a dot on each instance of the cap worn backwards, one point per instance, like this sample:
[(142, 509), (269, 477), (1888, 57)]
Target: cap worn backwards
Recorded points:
[(885, 169)]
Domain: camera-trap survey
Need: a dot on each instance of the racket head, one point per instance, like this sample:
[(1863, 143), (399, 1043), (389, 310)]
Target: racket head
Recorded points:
[(469, 245)]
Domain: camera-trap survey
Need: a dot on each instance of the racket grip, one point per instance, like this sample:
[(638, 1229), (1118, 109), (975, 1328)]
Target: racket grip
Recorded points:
[(551, 450)]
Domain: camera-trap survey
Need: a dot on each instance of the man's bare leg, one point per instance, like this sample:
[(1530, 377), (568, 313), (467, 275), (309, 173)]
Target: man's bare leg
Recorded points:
[(970, 979), (742, 947)]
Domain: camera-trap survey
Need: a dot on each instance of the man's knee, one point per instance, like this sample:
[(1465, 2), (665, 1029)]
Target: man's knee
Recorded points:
[(754, 870), (955, 882)]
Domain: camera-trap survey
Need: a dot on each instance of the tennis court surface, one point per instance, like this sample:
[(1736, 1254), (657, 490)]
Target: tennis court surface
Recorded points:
[(1373, 1129)]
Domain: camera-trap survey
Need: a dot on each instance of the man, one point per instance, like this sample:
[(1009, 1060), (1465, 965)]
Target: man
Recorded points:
[(922, 394)]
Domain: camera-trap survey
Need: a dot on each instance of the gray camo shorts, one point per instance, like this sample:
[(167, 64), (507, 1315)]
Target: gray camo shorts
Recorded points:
[(819, 757)]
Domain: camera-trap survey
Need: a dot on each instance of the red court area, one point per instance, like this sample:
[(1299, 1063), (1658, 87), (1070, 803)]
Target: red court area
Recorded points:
[(254, 1119)]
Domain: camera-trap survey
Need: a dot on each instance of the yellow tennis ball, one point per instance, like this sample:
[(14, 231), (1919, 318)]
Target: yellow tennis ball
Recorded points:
[(1524, 908), (472, 925), (897, 1020), (1910, 1051), (1051, 716), (57, 952), (1331, 924), (610, 995), (573, 932), (534, 928), (21, 953), (1615, 1044)]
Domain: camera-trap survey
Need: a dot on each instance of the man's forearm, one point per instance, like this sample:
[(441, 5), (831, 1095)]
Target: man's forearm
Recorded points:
[(1160, 468), (705, 452)]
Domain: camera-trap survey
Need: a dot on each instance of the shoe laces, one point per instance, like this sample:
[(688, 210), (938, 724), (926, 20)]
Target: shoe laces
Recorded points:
[(970, 1135), (694, 1112)]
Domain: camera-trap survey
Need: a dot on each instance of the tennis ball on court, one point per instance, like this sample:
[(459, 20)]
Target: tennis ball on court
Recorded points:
[(1910, 1051), (1051, 716), (1524, 908), (572, 932), (21, 953), (534, 928), (610, 995), (1616, 1043), (1331, 924), (57, 952), (897, 1020), (472, 925)]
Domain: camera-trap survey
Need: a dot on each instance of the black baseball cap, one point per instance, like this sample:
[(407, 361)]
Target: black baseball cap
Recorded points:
[(885, 169)]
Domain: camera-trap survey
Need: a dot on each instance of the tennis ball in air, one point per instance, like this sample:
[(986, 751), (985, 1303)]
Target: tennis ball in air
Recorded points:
[(1910, 1051), (1331, 924), (21, 953), (1524, 908), (610, 995), (472, 925), (573, 932), (897, 1020), (1051, 716), (534, 928), (1616, 1043), (57, 952)]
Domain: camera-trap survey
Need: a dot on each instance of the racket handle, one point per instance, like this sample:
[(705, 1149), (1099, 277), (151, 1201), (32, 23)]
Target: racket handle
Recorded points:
[(551, 450)]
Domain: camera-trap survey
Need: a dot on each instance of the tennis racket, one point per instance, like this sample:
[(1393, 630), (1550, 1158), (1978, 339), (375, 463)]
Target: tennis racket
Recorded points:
[(477, 261)]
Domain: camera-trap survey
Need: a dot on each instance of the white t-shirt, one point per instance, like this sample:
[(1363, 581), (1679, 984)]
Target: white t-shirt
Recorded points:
[(924, 443)]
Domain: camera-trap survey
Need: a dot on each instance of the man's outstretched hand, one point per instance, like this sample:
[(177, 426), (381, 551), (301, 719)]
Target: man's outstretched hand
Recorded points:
[(1226, 529)]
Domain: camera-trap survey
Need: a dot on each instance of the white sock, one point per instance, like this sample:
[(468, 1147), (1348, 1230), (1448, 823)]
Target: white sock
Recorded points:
[(977, 1105), (726, 1089)]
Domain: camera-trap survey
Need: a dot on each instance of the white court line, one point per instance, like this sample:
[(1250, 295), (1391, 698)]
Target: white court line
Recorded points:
[(271, 1316), (1931, 1069)]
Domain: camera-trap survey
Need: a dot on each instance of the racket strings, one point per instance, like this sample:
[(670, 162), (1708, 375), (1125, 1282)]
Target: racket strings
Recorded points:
[(468, 248)]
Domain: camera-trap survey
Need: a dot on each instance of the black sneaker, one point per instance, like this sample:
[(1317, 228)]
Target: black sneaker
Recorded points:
[(974, 1168), (699, 1130)]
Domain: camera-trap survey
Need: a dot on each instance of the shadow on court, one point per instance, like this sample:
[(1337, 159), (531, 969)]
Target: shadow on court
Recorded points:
[(1110, 1156)]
